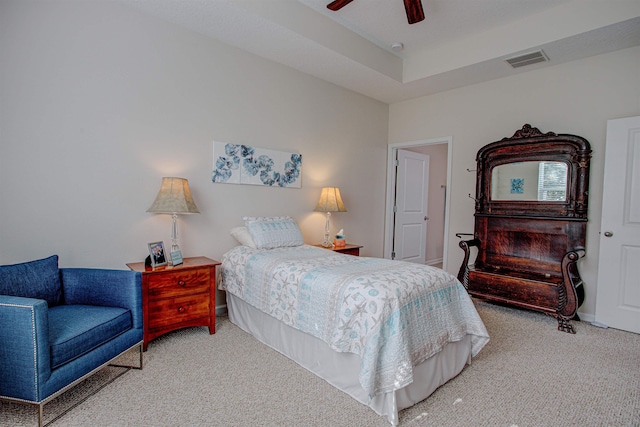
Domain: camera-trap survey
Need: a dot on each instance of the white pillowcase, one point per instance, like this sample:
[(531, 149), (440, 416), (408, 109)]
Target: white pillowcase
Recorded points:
[(274, 232), (241, 234)]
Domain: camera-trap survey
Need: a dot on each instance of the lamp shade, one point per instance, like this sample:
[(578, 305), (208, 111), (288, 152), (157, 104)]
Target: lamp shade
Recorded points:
[(174, 197), (330, 201)]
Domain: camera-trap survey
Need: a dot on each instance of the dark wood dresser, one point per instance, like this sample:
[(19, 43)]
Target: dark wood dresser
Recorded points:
[(180, 296), (530, 223)]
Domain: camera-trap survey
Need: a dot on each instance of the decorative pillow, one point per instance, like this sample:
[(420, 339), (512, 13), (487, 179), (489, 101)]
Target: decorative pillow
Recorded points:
[(241, 234), (35, 279), (274, 232)]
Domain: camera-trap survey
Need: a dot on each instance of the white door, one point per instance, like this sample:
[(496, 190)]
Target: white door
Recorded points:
[(618, 294), (410, 228)]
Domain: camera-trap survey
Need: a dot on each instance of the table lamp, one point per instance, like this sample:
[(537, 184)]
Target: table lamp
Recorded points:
[(174, 198), (330, 201)]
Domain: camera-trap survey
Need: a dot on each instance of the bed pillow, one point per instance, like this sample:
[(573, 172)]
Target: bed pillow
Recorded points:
[(241, 234), (274, 231)]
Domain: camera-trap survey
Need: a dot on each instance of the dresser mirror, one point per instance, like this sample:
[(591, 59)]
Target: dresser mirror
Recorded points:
[(544, 181), (534, 174), (530, 223)]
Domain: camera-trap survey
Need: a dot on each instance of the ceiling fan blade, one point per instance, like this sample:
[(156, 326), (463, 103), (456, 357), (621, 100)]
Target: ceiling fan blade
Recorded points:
[(414, 11), (338, 4)]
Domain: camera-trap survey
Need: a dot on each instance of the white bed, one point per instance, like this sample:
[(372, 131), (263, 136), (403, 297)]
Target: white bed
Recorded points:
[(388, 333), (341, 369)]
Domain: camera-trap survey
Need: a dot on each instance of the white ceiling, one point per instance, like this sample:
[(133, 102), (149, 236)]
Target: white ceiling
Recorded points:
[(460, 42)]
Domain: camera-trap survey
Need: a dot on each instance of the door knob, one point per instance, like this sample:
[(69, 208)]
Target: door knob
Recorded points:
[(608, 234), (426, 218)]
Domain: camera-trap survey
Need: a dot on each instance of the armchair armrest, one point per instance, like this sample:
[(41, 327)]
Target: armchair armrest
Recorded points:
[(469, 243), (572, 294), (463, 273), (111, 288), (24, 347)]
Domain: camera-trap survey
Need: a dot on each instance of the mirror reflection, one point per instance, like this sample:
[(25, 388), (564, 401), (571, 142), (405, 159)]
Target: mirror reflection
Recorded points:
[(530, 181)]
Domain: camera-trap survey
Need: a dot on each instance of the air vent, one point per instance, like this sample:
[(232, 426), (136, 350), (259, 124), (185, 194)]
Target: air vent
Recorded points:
[(527, 59)]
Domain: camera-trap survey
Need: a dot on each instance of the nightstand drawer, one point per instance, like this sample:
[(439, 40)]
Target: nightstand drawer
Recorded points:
[(350, 251), (172, 311), (179, 283)]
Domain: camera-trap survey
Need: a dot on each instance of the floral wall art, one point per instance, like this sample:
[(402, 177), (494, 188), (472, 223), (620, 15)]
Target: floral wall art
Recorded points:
[(517, 185), (244, 164)]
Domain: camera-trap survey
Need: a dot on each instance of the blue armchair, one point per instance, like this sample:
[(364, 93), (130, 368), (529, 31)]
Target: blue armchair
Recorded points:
[(58, 326)]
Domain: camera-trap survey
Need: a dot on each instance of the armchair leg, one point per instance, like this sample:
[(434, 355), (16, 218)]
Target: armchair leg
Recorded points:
[(40, 405), (140, 361)]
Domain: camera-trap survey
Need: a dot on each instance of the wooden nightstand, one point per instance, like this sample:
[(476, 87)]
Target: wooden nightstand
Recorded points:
[(180, 296), (347, 249)]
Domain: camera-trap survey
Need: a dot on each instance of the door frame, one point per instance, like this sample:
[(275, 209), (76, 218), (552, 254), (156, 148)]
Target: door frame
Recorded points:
[(391, 185)]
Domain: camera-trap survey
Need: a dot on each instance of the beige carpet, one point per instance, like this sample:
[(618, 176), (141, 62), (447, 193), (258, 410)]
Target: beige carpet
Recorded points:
[(528, 375)]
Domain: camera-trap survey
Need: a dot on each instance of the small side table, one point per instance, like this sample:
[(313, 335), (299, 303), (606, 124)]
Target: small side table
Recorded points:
[(347, 249), (175, 297)]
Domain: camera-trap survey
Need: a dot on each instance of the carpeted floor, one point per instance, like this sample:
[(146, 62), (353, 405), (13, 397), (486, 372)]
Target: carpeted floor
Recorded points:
[(528, 375)]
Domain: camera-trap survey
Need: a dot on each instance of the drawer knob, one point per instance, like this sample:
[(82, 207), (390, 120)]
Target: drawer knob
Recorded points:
[(181, 283), (181, 309)]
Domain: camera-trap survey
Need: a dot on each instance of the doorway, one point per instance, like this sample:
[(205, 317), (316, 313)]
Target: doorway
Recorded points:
[(411, 205), (440, 181)]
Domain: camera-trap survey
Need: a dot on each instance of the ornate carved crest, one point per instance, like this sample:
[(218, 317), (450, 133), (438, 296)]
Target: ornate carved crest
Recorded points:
[(528, 131)]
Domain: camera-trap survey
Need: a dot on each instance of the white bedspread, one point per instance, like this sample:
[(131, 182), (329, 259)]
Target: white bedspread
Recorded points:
[(393, 314)]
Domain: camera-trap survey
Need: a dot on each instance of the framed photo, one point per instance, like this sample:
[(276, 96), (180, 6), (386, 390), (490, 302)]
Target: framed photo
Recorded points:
[(176, 257), (157, 254)]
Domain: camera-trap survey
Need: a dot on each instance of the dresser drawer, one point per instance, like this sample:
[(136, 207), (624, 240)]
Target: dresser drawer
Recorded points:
[(177, 310), (179, 283), (354, 251)]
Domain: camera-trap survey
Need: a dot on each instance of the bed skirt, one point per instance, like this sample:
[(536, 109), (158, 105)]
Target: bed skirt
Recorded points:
[(341, 369)]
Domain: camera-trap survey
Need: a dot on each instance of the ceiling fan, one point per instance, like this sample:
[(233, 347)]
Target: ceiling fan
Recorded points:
[(412, 7)]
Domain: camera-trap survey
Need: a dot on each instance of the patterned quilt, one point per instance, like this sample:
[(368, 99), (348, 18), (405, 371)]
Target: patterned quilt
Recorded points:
[(393, 314)]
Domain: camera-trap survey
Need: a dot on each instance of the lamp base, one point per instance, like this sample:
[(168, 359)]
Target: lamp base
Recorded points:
[(327, 243), (176, 254)]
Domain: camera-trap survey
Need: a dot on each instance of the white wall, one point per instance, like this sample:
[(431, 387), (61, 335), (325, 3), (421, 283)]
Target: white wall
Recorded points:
[(576, 98), (98, 102)]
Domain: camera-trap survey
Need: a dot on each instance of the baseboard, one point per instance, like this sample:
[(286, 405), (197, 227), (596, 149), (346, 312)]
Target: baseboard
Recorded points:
[(221, 310), (586, 317), (437, 261)]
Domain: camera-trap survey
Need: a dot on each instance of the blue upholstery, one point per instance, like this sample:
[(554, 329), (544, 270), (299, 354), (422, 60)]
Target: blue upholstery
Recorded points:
[(71, 339), (44, 349), (36, 279)]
